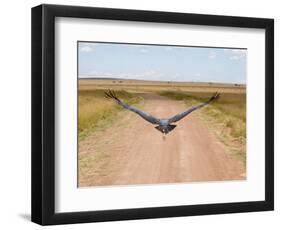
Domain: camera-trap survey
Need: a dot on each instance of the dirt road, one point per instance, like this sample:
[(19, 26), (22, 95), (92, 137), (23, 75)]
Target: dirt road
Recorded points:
[(132, 151)]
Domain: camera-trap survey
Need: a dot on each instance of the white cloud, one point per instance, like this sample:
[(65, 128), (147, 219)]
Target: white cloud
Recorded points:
[(236, 54), (239, 51), (149, 72), (146, 75), (235, 57), (144, 50), (212, 54), (87, 47), (94, 72)]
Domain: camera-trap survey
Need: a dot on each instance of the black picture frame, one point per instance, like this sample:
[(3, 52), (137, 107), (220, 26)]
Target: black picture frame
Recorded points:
[(43, 114)]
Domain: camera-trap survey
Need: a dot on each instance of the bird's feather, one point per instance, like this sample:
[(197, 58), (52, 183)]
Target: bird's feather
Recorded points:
[(144, 115), (181, 115)]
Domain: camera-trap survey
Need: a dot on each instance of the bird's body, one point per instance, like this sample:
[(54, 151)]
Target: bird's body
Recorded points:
[(163, 125)]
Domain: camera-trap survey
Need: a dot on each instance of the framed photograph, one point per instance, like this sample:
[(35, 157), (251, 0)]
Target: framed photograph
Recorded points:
[(143, 114)]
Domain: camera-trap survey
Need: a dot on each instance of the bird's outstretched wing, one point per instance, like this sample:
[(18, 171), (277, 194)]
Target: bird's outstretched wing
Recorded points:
[(144, 115), (181, 115)]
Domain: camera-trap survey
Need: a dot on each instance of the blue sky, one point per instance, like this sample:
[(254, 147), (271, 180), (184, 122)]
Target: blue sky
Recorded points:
[(166, 63)]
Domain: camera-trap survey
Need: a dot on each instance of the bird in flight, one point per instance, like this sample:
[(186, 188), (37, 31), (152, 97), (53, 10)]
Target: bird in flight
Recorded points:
[(163, 125)]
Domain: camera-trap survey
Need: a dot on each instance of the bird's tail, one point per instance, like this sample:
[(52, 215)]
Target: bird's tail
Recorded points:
[(171, 127)]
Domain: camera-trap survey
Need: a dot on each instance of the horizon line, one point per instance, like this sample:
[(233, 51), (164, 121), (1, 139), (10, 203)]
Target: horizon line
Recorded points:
[(93, 77)]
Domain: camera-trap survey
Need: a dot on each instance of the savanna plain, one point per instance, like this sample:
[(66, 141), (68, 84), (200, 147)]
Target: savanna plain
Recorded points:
[(117, 147)]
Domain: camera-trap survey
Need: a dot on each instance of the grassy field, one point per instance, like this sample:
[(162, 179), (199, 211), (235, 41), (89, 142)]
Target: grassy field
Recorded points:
[(96, 111), (227, 117), (158, 86)]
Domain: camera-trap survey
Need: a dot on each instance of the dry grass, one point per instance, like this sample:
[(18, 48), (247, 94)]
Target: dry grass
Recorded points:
[(96, 111), (227, 117), (158, 86)]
